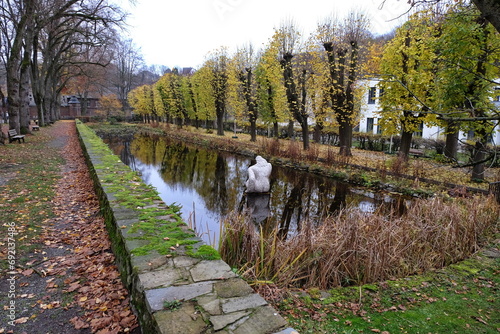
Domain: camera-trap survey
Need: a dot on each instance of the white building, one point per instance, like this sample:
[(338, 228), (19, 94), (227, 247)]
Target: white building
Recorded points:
[(369, 119)]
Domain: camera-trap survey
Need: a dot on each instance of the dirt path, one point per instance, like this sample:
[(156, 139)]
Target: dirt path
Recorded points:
[(67, 282)]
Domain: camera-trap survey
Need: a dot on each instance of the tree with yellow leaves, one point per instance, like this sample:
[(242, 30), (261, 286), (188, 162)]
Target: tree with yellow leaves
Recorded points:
[(271, 96), (295, 75), (408, 68), (110, 106), (217, 64), (242, 87), (141, 99), (343, 41)]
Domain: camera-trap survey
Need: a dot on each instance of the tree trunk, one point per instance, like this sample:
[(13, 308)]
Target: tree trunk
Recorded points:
[(345, 138), (305, 135), (220, 119), (478, 157), (290, 130), (451, 145), (490, 9), (24, 99), (13, 91), (251, 104), (479, 154), (292, 97), (276, 130), (317, 132), (253, 129), (404, 148)]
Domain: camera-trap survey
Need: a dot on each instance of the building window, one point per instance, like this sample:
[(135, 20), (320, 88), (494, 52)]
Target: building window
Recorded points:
[(497, 94), (379, 128), (420, 130), (369, 124), (371, 95)]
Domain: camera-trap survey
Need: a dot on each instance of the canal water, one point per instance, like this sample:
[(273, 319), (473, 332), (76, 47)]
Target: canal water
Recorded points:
[(209, 184)]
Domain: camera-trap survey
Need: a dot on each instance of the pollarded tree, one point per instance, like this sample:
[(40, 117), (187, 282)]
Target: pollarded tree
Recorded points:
[(188, 98), (271, 95), (242, 88), (319, 89), (288, 38), (203, 95), (218, 66), (408, 68), (141, 99), (170, 98), (343, 42)]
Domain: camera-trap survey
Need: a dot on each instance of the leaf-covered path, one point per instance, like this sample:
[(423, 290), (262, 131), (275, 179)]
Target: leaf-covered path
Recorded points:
[(57, 272)]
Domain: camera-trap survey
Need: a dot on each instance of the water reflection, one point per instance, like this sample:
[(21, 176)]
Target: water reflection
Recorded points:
[(209, 184)]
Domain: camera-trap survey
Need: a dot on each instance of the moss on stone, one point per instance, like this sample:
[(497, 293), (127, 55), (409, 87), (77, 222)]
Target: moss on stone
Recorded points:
[(204, 252), (164, 236)]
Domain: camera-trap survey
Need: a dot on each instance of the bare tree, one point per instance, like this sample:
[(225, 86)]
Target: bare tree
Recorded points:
[(45, 39), (127, 62)]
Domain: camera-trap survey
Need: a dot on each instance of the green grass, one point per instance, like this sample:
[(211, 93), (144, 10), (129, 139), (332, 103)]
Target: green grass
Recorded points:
[(25, 197), (462, 298)]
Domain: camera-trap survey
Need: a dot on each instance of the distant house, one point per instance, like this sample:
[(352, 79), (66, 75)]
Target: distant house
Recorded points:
[(370, 117), (71, 106), (4, 109)]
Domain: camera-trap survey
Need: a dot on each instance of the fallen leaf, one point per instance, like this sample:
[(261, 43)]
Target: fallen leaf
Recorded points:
[(79, 324), (27, 272), (21, 320)]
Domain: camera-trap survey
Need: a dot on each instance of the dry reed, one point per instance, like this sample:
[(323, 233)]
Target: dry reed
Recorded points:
[(356, 248), (294, 151), (270, 146)]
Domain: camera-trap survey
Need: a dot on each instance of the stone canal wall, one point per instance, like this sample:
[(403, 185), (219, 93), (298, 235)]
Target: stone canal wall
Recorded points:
[(177, 284)]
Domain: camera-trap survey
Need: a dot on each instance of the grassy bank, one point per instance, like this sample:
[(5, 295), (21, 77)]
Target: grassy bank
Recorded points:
[(461, 298), (26, 188)]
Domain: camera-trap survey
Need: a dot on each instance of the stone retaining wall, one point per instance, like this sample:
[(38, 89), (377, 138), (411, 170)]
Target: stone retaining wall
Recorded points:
[(184, 288)]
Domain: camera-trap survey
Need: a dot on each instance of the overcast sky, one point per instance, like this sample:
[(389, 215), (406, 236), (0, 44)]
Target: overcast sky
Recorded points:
[(180, 33)]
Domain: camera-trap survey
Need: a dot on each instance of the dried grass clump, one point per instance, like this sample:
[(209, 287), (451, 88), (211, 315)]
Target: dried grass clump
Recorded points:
[(356, 248), (312, 153), (399, 165), (294, 151), (270, 146)]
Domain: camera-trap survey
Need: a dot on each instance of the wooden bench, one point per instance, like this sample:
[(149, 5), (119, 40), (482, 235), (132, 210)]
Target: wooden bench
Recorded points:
[(416, 152), (14, 136)]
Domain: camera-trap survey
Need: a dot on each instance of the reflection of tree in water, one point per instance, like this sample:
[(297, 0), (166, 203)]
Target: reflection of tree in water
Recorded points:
[(126, 155), (296, 197), (340, 199), (219, 190), (293, 205)]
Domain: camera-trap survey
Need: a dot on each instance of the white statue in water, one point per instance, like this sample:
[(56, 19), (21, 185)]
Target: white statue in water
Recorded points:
[(258, 176)]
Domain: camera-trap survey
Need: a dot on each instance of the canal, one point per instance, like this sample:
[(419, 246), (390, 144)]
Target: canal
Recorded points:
[(209, 184)]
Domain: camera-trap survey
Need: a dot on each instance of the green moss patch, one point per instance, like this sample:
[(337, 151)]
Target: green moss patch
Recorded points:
[(158, 223)]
